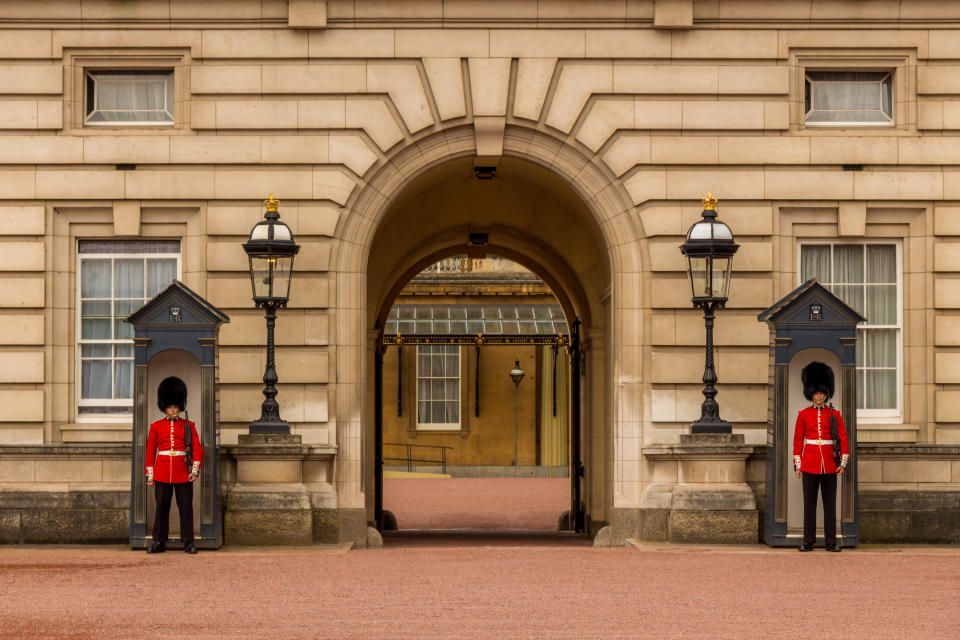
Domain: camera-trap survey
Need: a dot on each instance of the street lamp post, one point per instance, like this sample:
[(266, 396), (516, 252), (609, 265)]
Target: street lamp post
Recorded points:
[(271, 249), (709, 249), (516, 374)]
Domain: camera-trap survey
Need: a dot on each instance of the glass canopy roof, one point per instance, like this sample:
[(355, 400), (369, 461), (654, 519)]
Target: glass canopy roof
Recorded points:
[(473, 319)]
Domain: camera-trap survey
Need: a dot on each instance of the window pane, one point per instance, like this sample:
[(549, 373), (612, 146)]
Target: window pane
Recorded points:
[(882, 263), (852, 295), (122, 379), (452, 368), (131, 96), (452, 391), (160, 273), (882, 304), (123, 350), (95, 320), (881, 347), (122, 329), (452, 411), (128, 278), (423, 412), (95, 376), (848, 263), (847, 96), (95, 279), (438, 413), (95, 351), (815, 262), (854, 97), (423, 390), (511, 326), (881, 389)]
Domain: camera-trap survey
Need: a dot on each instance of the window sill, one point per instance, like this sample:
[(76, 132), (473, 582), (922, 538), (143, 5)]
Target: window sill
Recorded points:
[(414, 433)]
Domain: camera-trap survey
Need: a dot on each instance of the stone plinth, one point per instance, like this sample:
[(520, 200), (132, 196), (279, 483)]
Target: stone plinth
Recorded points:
[(283, 494), (709, 501)]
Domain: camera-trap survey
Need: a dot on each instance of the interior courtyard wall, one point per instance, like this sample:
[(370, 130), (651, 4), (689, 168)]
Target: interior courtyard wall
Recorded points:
[(639, 106)]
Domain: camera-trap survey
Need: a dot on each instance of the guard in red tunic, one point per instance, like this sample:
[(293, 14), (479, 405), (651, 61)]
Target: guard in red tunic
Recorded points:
[(814, 451), (166, 464)]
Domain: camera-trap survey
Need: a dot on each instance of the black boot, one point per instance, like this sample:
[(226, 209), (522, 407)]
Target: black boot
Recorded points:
[(189, 548), (157, 547), (806, 547), (833, 547)]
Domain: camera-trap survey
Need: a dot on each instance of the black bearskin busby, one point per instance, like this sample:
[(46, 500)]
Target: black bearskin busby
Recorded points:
[(172, 391), (817, 376)]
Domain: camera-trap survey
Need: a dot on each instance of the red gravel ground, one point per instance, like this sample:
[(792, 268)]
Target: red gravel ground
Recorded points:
[(485, 584), (477, 503), (499, 591)]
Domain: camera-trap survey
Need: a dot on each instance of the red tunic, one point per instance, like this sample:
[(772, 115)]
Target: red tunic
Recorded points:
[(814, 424), (167, 435)]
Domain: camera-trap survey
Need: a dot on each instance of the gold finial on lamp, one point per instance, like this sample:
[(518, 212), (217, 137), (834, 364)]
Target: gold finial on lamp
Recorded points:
[(271, 204), (710, 203)]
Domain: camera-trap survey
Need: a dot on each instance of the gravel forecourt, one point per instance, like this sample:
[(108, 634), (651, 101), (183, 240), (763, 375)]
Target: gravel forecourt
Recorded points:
[(479, 585)]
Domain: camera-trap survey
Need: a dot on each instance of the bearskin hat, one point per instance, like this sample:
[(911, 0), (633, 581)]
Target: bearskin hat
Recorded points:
[(817, 376), (172, 391)]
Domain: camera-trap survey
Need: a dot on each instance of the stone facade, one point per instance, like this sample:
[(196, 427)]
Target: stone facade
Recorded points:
[(605, 121)]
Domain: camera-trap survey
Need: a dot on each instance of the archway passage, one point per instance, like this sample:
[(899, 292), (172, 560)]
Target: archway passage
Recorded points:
[(478, 430), (528, 215)]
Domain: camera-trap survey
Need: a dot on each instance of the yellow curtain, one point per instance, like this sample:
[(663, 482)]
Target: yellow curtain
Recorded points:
[(554, 430)]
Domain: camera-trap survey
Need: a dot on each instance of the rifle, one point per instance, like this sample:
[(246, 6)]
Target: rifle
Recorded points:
[(834, 434), (188, 441)]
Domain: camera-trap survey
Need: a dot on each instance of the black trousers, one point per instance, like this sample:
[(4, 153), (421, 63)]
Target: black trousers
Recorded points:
[(161, 524), (827, 485)]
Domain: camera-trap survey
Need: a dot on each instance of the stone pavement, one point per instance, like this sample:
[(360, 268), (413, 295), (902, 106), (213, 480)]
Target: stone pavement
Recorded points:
[(479, 584)]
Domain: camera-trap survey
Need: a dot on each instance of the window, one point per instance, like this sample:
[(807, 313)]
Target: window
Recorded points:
[(438, 387), (129, 97), (114, 280), (849, 98), (867, 277)]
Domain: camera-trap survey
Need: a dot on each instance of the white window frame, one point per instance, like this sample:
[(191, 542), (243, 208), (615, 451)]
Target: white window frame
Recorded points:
[(78, 332), (438, 426), (870, 123), (90, 75), (873, 416)]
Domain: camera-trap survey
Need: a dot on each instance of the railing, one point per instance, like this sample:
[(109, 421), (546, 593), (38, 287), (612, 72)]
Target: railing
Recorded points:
[(410, 460)]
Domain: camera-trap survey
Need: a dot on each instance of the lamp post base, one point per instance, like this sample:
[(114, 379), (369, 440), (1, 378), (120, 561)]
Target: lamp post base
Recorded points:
[(269, 426), (710, 426)]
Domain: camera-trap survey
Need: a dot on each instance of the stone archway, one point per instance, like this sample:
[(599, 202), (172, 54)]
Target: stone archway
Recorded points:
[(551, 208)]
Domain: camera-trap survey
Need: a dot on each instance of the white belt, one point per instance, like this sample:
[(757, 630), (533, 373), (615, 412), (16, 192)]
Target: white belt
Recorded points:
[(171, 453), (818, 442)]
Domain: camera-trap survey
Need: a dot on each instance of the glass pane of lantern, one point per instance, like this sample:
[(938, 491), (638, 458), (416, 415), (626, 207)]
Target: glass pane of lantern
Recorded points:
[(698, 277), (260, 274), (281, 277), (721, 277)]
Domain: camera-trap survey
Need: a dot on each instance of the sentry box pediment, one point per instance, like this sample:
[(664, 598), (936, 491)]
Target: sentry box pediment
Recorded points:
[(176, 318), (811, 304)]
